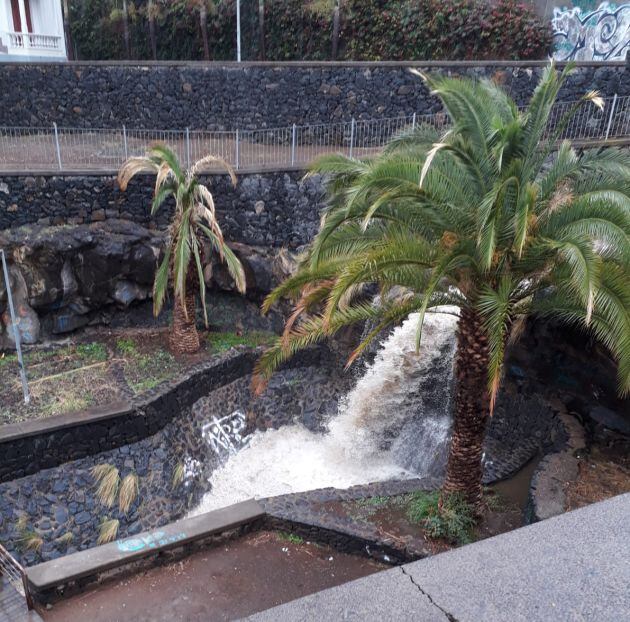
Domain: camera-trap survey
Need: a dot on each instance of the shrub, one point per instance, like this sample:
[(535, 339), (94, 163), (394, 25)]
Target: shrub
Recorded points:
[(453, 522)]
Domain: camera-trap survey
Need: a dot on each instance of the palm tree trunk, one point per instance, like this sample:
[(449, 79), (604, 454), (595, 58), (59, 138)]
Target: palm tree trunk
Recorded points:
[(261, 29), (335, 33), (184, 338), (66, 30), (126, 30), (471, 410), (203, 22), (152, 37)]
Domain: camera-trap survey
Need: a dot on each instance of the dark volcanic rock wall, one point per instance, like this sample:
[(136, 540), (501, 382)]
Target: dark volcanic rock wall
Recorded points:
[(219, 96), (270, 209)]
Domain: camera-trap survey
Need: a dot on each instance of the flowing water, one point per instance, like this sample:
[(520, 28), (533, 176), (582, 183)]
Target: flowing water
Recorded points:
[(393, 424)]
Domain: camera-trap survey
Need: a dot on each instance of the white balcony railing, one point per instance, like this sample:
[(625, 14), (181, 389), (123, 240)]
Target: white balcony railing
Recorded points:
[(19, 41)]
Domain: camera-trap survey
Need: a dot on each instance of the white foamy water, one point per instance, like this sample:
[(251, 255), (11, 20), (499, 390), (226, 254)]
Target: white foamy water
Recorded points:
[(393, 424)]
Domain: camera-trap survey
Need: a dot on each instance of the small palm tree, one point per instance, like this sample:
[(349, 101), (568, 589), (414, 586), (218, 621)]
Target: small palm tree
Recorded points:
[(493, 217), (194, 217)]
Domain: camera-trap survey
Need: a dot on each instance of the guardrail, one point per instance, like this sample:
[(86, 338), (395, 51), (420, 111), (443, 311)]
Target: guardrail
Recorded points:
[(27, 149)]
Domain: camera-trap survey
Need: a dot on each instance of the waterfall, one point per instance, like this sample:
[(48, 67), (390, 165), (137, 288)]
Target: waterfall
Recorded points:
[(394, 423)]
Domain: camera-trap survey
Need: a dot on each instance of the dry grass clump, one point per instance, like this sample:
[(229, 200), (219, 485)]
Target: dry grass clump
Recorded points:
[(108, 480), (178, 475), (128, 492), (108, 530)]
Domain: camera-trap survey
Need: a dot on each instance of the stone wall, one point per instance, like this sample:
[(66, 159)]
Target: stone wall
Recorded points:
[(270, 209), (227, 96), (28, 448)]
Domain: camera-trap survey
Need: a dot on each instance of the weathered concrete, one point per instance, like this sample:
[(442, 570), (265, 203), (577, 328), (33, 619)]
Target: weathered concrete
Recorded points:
[(571, 567), (123, 552)]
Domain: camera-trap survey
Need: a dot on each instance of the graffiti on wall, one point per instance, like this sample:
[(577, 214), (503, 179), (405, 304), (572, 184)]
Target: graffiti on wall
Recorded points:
[(591, 34)]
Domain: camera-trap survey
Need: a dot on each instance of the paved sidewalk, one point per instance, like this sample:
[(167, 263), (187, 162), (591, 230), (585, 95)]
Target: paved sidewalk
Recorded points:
[(572, 567)]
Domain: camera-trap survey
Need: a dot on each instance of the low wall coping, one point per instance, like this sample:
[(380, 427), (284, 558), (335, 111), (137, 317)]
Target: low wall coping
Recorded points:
[(314, 64), (122, 552), (33, 427)]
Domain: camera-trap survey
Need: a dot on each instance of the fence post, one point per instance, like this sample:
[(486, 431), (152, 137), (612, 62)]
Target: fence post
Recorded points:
[(352, 126), (612, 114), (237, 153), (16, 330), (293, 146), (125, 142), (413, 122), (57, 146), (187, 147)]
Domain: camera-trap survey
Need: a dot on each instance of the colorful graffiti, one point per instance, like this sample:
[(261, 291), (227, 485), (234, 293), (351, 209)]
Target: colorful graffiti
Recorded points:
[(599, 34), (151, 541)]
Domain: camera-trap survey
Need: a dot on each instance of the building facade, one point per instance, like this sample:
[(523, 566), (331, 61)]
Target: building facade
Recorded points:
[(31, 30)]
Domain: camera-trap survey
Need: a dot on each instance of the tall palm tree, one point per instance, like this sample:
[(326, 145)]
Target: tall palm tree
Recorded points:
[(126, 35), (152, 11), (493, 217), (194, 217)]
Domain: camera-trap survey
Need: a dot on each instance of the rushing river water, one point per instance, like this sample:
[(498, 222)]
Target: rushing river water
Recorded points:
[(394, 423)]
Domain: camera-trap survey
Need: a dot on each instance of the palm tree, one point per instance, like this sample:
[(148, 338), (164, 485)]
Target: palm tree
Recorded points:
[(194, 217), (152, 12), (493, 217)]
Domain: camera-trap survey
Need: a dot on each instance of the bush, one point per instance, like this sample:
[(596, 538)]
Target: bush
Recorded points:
[(302, 30), (453, 522)]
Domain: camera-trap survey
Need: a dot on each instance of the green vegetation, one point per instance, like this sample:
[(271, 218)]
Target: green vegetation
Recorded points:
[(92, 352), (495, 218), (290, 537), (127, 347), (307, 30), (454, 521), (194, 219), (221, 342)]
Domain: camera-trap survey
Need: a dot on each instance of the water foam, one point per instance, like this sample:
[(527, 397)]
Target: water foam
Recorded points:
[(393, 424)]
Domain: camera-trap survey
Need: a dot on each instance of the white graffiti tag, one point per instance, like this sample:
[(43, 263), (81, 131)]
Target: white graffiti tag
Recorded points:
[(600, 34)]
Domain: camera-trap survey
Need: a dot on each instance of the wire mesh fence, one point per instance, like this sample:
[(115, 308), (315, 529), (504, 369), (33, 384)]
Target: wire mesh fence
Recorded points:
[(76, 149)]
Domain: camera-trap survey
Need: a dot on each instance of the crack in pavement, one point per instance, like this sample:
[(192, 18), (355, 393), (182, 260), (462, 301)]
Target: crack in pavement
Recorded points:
[(449, 616)]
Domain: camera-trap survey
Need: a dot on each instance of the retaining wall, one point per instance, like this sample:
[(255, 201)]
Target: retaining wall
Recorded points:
[(227, 96), (29, 447), (266, 209)]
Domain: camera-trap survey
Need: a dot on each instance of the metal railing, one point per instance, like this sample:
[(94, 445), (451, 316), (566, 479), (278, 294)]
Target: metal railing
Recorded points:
[(28, 149), (15, 575)]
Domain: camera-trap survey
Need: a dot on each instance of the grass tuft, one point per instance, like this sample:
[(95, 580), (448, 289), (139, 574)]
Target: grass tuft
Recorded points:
[(108, 480), (128, 492), (453, 522), (31, 541), (93, 352), (108, 530), (290, 537), (66, 539), (127, 347), (178, 475), (22, 523), (221, 342)]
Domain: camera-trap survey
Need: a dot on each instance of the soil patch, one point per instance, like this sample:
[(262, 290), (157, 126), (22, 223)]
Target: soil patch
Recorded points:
[(236, 579), (101, 366), (604, 473)]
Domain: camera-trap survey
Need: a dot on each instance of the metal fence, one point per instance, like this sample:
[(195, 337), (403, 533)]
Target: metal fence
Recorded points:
[(76, 149)]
